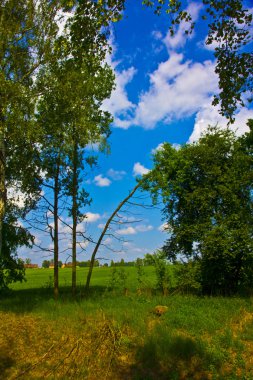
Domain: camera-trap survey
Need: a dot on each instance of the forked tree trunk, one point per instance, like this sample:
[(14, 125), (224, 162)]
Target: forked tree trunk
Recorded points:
[(93, 256)]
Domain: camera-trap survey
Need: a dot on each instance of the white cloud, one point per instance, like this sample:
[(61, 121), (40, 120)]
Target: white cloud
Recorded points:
[(83, 244), (180, 37), (209, 115), (101, 181), (61, 19), (126, 231), (133, 248), (163, 227), (108, 241), (119, 104), (116, 175), (134, 230), (159, 147), (139, 169), (176, 146), (101, 226), (123, 124), (144, 228), (16, 196), (91, 217), (177, 89)]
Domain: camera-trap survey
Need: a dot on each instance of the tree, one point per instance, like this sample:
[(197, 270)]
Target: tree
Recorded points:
[(27, 34), (101, 237), (73, 119), (158, 260), (45, 264), (29, 43), (206, 188)]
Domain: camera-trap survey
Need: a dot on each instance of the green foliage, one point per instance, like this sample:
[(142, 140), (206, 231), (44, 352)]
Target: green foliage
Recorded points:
[(118, 279), (206, 188), (158, 260), (188, 276), (45, 264), (83, 264), (29, 44), (140, 274), (11, 267)]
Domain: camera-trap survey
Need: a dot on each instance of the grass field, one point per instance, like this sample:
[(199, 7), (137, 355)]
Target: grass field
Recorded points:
[(114, 334)]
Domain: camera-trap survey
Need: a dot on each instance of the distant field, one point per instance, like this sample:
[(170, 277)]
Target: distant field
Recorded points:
[(109, 334), (37, 278)]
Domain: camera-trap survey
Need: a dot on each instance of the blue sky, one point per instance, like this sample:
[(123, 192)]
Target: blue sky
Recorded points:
[(164, 93)]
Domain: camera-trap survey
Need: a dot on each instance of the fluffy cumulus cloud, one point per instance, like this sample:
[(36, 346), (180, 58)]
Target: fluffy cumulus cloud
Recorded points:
[(178, 89), (119, 104), (209, 115), (101, 181), (92, 217), (139, 169)]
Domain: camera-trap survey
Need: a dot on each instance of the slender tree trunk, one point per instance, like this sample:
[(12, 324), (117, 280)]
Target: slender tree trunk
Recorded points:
[(93, 256), (74, 216), (56, 231), (2, 181)]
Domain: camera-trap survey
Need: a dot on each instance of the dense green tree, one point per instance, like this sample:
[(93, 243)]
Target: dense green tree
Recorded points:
[(29, 43), (45, 264), (27, 34), (206, 188)]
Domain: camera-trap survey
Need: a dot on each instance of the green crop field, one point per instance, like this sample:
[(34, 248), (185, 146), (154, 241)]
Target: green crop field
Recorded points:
[(114, 334)]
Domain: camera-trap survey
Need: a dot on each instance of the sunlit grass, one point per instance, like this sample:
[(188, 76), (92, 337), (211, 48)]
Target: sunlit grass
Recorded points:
[(117, 333)]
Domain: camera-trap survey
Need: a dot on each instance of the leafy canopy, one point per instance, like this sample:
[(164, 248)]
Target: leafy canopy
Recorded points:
[(206, 188)]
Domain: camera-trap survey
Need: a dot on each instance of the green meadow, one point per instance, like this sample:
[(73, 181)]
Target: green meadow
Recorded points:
[(114, 331), (39, 278)]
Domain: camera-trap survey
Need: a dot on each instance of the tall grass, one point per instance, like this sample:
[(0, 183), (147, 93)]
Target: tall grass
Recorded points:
[(119, 336)]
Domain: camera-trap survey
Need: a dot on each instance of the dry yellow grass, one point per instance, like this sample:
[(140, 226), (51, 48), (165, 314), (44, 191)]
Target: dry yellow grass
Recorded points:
[(30, 348)]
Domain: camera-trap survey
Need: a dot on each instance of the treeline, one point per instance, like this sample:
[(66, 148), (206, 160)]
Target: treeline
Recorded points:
[(81, 264)]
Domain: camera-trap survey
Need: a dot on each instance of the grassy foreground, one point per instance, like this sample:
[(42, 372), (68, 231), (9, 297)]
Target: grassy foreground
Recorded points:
[(111, 334)]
